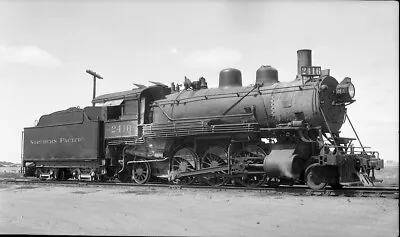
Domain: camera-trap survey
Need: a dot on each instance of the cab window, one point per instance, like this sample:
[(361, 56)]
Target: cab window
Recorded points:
[(114, 112), (130, 107)]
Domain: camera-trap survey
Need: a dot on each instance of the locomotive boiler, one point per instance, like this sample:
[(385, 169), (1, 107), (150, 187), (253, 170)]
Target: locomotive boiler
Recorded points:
[(271, 131)]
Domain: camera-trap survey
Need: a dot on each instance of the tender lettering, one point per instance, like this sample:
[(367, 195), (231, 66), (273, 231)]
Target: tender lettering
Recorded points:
[(56, 141), (47, 141), (71, 140)]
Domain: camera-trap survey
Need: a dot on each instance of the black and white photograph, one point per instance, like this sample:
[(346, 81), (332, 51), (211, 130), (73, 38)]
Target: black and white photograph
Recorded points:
[(199, 118)]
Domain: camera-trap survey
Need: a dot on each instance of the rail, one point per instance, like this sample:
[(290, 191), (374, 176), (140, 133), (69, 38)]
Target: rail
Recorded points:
[(348, 191)]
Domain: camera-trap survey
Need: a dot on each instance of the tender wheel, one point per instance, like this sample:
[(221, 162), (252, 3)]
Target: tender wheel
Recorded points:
[(256, 156), (38, 173), (53, 174), (214, 157), (141, 172), (314, 179), (76, 174), (184, 160)]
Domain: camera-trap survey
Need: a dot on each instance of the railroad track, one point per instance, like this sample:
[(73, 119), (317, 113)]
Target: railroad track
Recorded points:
[(296, 190)]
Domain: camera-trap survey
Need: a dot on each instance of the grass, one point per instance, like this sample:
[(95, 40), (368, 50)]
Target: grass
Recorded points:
[(10, 172), (389, 175)]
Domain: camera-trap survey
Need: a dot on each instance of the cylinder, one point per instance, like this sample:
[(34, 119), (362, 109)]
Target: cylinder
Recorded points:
[(230, 77), (303, 59), (266, 75), (283, 164)]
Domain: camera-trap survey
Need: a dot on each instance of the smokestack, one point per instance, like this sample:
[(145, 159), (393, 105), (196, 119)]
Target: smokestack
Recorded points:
[(303, 59)]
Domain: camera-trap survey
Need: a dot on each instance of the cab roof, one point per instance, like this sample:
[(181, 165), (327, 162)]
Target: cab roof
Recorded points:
[(124, 95)]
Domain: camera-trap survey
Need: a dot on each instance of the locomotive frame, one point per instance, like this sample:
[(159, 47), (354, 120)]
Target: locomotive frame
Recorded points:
[(273, 132)]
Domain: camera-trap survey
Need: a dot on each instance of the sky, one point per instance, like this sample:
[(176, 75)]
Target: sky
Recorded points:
[(46, 47)]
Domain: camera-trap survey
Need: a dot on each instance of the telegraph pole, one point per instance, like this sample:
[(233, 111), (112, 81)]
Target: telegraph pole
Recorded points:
[(95, 75)]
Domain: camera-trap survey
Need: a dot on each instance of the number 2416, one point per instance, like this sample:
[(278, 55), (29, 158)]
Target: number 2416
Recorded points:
[(121, 128)]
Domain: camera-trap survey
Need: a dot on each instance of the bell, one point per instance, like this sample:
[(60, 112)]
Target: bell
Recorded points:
[(203, 83)]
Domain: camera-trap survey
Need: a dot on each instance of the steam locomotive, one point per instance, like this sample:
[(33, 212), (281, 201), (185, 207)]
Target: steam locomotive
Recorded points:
[(270, 133)]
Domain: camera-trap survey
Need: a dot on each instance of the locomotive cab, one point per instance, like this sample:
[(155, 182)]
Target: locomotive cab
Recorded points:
[(126, 113)]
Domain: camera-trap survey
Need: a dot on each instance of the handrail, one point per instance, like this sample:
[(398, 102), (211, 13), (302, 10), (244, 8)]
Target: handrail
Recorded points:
[(355, 133), (196, 118), (262, 90)]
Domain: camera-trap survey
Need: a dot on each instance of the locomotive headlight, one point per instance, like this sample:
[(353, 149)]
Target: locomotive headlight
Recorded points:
[(351, 90), (345, 91)]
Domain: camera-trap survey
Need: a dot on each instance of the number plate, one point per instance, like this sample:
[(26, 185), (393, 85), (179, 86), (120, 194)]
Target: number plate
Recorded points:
[(310, 71), (120, 129)]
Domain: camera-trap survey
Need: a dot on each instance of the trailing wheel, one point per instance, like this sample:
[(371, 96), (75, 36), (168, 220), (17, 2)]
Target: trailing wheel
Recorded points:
[(314, 177), (141, 171), (215, 156), (255, 155), (124, 176), (184, 160)]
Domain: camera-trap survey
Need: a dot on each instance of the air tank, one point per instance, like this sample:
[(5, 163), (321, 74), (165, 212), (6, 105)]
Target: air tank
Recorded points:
[(230, 77), (266, 75)]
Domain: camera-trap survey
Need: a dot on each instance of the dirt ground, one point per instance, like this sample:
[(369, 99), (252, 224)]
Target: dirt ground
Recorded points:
[(164, 211)]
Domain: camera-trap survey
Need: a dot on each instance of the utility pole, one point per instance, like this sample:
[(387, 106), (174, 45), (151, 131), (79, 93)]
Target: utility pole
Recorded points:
[(95, 75)]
